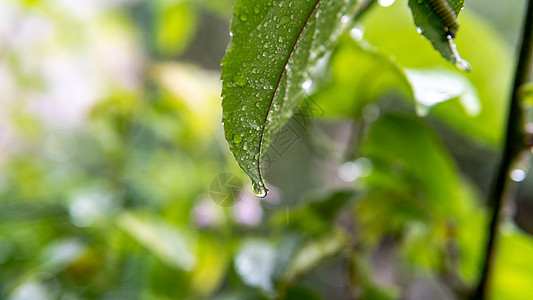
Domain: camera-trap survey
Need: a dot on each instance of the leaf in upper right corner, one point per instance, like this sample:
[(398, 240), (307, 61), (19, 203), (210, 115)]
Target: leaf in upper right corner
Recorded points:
[(432, 26)]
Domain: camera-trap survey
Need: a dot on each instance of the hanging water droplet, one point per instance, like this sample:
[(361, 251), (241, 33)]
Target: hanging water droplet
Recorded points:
[(259, 190), (231, 33), (418, 29)]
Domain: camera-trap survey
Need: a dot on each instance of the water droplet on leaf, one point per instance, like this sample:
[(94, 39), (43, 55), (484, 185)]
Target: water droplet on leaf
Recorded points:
[(237, 138), (259, 190)]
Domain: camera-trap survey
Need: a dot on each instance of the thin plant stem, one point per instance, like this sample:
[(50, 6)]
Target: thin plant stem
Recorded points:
[(514, 144)]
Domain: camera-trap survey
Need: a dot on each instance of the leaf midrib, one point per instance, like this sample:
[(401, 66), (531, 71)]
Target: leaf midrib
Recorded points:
[(276, 90)]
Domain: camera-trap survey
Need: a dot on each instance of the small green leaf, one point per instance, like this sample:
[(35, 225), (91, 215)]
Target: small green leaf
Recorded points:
[(271, 60), (437, 21)]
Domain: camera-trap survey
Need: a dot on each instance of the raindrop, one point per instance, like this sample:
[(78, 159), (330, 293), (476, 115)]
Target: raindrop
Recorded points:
[(257, 10), (244, 17), (240, 80), (518, 175), (231, 34), (237, 138), (245, 146), (386, 3), (418, 29), (259, 190)]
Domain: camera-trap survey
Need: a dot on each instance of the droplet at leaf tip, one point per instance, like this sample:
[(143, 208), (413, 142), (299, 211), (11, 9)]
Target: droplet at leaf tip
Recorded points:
[(259, 190), (269, 63)]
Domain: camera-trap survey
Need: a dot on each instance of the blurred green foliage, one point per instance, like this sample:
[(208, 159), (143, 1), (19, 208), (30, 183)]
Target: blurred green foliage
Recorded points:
[(111, 142)]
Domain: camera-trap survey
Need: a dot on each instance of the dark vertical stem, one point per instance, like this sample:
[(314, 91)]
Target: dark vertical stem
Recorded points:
[(514, 144)]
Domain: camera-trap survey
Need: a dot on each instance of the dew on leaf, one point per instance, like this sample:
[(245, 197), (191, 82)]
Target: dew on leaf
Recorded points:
[(244, 17), (237, 138), (240, 81)]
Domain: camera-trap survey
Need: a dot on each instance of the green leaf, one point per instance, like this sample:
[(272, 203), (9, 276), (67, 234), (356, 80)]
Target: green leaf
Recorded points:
[(437, 21), (275, 52), (513, 274)]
